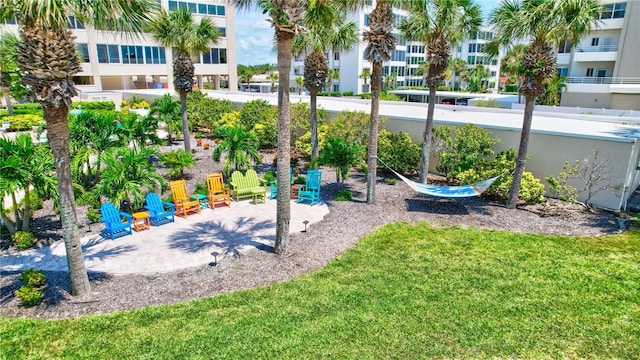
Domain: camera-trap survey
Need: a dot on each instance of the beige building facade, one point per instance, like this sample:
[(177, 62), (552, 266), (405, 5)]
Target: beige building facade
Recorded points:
[(124, 62)]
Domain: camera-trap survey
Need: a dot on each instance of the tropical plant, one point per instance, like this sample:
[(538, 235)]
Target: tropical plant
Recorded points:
[(341, 156), (178, 161), (300, 83), (273, 77), (398, 151), (285, 17), (461, 149), (166, 110), (478, 78), (179, 30), (440, 24), (138, 130), (129, 176), (544, 24), (390, 80), (239, 147), (349, 125), (512, 62), (365, 75), (422, 70), (380, 43), (553, 91), (246, 76), (332, 76), (27, 167), (458, 66), (8, 67), (326, 28), (205, 112), (48, 58)]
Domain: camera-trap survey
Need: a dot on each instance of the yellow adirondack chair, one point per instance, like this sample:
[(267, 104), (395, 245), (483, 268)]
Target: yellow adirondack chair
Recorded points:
[(181, 199), (216, 190)]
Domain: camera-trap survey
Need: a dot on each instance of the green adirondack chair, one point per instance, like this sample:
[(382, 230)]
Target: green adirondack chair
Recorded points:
[(247, 185)]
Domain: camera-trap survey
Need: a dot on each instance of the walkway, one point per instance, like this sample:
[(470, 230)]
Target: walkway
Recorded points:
[(189, 242)]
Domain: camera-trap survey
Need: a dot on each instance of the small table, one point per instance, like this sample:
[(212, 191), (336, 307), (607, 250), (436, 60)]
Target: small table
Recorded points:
[(141, 221), (294, 191), (202, 199), (259, 195)]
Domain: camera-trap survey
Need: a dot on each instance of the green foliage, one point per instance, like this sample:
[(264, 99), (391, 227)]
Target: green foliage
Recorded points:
[(299, 180), (206, 112), (347, 93), (269, 176), (389, 97), (30, 296), (335, 94), (27, 106), (560, 187), (267, 134), (178, 161), (303, 144), (341, 156), (134, 103), (93, 215), (301, 122), (24, 240), (531, 189), (350, 126), (398, 151), (343, 195), (323, 93), (256, 69), (239, 147), (201, 189), (93, 105), (23, 122), (261, 119), (167, 110), (229, 120), (511, 88), (468, 148), (391, 181), (491, 103), (33, 278), (365, 96)]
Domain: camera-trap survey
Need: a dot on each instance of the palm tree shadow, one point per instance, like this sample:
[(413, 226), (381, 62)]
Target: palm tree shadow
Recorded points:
[(229, 238), (446, 206)]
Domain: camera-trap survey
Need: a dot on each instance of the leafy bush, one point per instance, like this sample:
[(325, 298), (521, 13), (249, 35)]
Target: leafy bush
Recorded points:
[(347, 93), (300, 180), (335, 93), (531, 189), (468, 148), (93, 215), (257, 112), (391, 181), (24, 239), (365, 96), (398, 151), (27, 106), (343, 195), (340, 155), (303, 144), (269, 176), (323, 93), (512, 88), (229, 120), (206, 112), (33, 278), (23, 122), (29, 296), (350, 126), (267, 134), (201, 189), (178, 161), (94, 105), (134, 103), (487, 103), (389, 97)]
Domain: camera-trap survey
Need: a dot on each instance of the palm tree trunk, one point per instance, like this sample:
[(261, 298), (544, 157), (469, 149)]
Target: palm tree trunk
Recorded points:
[(426, 144), (285, 47), (185, 120), (58, 137), (8, 223), (16, 213), (530, 102), (313, 107), (26, 215), (372, 152)]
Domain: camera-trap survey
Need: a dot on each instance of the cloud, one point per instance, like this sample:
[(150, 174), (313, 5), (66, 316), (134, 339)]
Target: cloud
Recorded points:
[(254, 37)]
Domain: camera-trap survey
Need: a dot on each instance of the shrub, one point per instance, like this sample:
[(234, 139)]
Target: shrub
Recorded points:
[(303, 144), (269, 176), (512, 88), (350, 126), (94, 105), (29, 296), (178, 161), (134, 103), (323, 93), (230, 120), (335, 93), (257, 112), (27, 106), (487, 103), (201, 189), (398, 151), (365, 96), (93, 215), (391, 181), (33, 278), (347, 93), (343, 195), (531, 189), (23, 122), (300, 180), (389, 97), (24, 239), (468, 147)]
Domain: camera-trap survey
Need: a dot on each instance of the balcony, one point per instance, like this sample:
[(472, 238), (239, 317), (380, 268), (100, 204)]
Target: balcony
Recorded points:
[(596, 53), (614, 85)]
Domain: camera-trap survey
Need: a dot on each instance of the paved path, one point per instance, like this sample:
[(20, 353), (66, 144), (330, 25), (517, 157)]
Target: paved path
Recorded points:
[(185, 243)]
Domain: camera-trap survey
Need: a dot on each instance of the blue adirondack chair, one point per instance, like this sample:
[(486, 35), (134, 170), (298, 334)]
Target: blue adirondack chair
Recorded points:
[(311, 190), (158, 212), (114, 224)]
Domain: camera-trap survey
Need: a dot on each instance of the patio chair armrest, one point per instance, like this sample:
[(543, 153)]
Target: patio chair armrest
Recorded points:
[(232, 184), (263, 181), (129, 217), (170, 205)]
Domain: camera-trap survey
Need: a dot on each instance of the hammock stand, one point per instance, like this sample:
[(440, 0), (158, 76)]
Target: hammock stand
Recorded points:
[(461, 191)]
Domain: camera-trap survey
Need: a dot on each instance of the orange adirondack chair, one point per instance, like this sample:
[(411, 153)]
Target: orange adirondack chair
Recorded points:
[(217, 192), (181, 199)]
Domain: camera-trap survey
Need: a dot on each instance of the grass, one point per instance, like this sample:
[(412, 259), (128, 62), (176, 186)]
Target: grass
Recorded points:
[(404, 291)]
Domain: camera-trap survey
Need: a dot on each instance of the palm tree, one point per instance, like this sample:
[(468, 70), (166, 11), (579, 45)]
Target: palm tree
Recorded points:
[(300, 83), (179, 30), (166, 110), (422, 70), (380, 43), (326, 28), (285, 17), (273, 77), (332, 75), (365, 75), (458, 66), (448, 23), (553, 91), (390, 80), (8, 66), (512, 62), (240, 148), (47, 56), (129, 176), (246, 76), (544, 24), (340, 155)]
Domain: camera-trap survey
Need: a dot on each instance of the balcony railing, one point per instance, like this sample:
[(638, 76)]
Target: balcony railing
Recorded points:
[(603, 80), (602, 48)]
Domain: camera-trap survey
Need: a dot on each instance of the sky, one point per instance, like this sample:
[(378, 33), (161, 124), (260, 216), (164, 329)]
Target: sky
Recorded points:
[(254, 35)]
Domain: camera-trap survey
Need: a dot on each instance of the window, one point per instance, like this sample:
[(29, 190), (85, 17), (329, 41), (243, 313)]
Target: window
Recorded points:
[(595, 41), (472, 48), (366, 19), (154, 55), (74, 23), (220, 10), (471, 59), (564, 47), (336, 56), (613, 11), (215, 56), (173, 5), (589, 72), (397, 55), (562, 72), (83, 52), (131, 54), (202, 9), (480, 48), (108, 54), (223, 31), (493, 73), (619, 10)]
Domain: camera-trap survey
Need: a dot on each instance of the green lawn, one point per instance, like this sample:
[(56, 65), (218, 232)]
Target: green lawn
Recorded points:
[(402, 292)]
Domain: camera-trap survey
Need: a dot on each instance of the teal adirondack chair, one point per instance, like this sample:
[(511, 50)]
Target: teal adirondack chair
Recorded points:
[(273, 186), (113, 222), (311, 190), (158, 212)]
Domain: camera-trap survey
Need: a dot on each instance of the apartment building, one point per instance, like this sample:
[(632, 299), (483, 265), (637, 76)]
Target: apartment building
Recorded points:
[(603, 69), (122, 62)]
